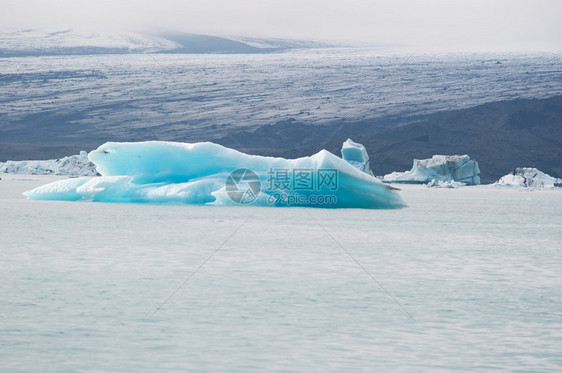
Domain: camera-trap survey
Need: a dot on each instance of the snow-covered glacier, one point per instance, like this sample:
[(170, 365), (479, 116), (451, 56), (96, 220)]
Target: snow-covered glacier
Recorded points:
[(208, 173), (447, 168), (528, 177)]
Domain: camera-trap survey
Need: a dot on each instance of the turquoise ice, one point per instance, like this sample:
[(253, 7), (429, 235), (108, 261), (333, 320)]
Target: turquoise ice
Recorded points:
[(199, 173)]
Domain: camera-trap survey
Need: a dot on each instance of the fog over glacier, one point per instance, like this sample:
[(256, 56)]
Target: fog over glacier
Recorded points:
[(443, 25)]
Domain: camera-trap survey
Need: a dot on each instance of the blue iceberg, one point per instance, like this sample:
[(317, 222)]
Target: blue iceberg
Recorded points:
[(356, 155), (444, 168), (208, 173)]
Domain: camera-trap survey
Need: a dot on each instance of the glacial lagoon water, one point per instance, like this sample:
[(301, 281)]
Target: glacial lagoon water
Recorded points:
[(477, 267)]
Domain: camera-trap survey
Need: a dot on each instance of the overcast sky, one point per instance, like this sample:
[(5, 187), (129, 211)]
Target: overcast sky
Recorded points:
[(427, 24)]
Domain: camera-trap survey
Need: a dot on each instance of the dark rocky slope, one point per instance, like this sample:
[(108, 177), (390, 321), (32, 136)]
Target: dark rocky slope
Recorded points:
[(499, 135)]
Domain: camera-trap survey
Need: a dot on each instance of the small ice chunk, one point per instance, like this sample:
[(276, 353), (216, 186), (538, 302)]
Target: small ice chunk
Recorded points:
[(527, 177), (444, 184)]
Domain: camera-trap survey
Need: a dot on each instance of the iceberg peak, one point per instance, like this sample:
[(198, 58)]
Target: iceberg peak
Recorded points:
[(356, 155)]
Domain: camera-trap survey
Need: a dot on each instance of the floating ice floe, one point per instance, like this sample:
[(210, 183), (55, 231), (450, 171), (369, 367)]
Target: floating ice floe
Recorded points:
[(207, 173), (526, 177), (77, 165), (441, 168), (356, 155), (445, 184)]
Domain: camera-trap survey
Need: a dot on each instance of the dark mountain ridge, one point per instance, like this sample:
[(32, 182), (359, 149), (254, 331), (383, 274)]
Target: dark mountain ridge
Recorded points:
[(499, 135)]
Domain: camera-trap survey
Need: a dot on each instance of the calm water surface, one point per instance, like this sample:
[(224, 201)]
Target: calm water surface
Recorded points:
[(478, 268)]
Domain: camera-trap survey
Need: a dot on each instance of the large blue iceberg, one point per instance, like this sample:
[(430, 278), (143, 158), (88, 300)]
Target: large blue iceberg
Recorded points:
[(208, 173)]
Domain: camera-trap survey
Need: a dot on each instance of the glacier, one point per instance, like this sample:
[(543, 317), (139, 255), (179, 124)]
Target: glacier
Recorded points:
[(445, 168), (76, 165), (356, 154), (208, 173), (528, 177), (244, 92)]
